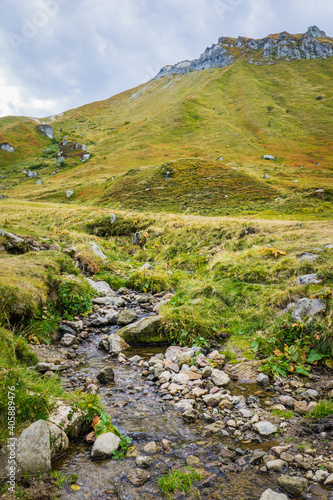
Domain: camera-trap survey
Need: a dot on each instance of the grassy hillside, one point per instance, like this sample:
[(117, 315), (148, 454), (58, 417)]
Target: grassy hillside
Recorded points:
[(238, 113)]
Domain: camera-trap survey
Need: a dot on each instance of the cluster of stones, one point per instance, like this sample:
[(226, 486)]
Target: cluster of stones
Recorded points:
[(197, 385)]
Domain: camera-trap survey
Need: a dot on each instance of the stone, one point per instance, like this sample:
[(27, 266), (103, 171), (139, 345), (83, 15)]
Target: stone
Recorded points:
[(307, 308), (207, 371), (69, 193), (226, 405), (301, 407), (265, 428), (193, 375), (164, 377), (246, 371), (220, 378), (97, 251), (180, 379), (117, 344), (143, 461), (151, 447), (273, 495), (307, 279), (308, 257), (201, 361), (166, 445), (174, 352), (321, 475), (193, 461), (58, 440), (70, 422), (7, 147), (68, 340), (269, 157), (174, 388), (329, 480), (276, 465), (46, 130), (184, 359), (287, 457), (212, 400), (197, 392), (287, 401), (145, 331), (262, 379), (184, 404), (106, 376), (190, 416), (126, 317), (45, 367), (293, 485), (105, 445), (101, 287), (138, 476)]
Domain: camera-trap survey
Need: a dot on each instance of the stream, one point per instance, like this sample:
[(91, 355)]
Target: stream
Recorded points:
[(137, 409)]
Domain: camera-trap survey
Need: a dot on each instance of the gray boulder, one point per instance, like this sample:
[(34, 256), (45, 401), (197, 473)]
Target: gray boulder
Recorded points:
[(269, 157), (307, 308), (145, 331), (106, 376), (68, 340), (97, 251), (220, 378), (262, 379), (70, 422), (138, 476), (117, 344), (126, 317), (273, 495), (32, 175), (307, 279), (33, 448), (308, 257), (105, 445), (46, 130), (265, 428), (143, 461), (69, 193), (7, 147), (101, 287), (295, 485)]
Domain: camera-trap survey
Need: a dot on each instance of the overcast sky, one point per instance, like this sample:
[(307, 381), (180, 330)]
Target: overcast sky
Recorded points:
[(60, 54)]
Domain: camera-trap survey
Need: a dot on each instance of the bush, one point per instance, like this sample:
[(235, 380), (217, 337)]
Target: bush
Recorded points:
[(323, 409)]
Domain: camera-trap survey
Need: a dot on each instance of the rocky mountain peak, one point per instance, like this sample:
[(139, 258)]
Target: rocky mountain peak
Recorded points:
[(314, 44)]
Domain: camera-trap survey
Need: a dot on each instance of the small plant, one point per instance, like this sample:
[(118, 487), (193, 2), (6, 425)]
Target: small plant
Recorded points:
[(229, 354), (200, 342), (59, 477), (283, 413), (73, 478), (179, 481), (273, 251), (323, 409)]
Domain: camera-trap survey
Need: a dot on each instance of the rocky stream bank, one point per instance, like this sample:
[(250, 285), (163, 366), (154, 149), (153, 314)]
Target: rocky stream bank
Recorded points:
[(245, 433)]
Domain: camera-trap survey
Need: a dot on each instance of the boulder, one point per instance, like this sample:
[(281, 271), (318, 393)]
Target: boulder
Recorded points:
[(184, 404), (145, 331), (69, 193), (46, 130), (307, 308), (106, 376), (273, 495), (190, 416), (181, 379), (105, 445), (70, 422), (143, 461), (308, 257), (117, 344), (7, 147), (246, 372), (262, 379), (294, 485), (276, 465), (307, 279), (101, 287), (33, 449), (68, 340), (97, 251), (173, 353), (220, 378), (269, 157), (126, 317)]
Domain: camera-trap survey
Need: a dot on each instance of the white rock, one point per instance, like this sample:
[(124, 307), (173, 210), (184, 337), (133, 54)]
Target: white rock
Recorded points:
[(272, 495), (220, 378), (97, 251), (181, 379), (265, 428), (105, 445)]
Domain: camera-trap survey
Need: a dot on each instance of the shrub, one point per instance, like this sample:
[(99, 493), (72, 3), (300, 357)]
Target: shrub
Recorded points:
[(74, 297), (323, 409)]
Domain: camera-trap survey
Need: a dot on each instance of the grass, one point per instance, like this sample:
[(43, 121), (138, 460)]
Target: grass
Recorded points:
[(283, 413), (323, 409), (179, 482)]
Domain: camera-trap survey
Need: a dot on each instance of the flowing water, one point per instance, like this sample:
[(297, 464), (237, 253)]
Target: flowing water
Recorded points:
[(138, 411)]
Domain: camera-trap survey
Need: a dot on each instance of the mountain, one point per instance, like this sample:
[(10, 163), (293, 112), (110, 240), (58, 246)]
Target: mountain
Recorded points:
[(193, 141), (314, 44)]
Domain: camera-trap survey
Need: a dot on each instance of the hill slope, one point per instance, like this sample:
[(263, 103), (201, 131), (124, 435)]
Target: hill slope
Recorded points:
[(238, 113)]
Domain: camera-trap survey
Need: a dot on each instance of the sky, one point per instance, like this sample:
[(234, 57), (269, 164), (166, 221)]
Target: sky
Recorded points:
[(60, 54)]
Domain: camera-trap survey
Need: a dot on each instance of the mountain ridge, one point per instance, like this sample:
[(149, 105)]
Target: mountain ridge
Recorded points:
[(314, 44)]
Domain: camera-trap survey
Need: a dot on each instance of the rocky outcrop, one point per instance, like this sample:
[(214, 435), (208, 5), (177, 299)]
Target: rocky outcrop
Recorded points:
[(314, 44), (46, 130), (7, 147)]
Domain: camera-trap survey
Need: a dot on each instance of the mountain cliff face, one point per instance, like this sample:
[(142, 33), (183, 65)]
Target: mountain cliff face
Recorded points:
[(314, 44)]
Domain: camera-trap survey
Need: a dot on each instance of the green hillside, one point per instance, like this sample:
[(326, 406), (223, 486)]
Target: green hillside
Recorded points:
[(238, 113)]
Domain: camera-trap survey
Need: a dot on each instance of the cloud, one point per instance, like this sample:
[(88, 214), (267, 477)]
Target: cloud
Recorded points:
[(59, 54)]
